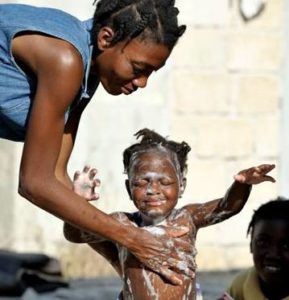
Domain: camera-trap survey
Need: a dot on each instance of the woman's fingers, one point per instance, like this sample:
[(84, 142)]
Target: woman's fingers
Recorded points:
[(183, 245), (177, 231), (170, 276), (181, 266)]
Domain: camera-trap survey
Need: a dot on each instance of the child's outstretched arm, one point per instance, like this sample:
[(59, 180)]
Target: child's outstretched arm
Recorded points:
[(218, 210)]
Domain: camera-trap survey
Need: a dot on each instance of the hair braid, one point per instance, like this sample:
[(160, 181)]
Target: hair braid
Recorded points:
[(152, 140), (155, 20)]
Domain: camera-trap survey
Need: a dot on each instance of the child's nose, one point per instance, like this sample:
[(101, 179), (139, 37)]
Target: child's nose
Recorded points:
[(153, 188), (274, 251)]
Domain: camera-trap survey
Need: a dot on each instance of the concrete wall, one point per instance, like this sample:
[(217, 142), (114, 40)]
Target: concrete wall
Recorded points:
[(221, 91)]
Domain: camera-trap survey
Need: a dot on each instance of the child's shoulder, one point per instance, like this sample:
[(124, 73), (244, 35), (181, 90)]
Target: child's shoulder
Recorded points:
[(125, 217)]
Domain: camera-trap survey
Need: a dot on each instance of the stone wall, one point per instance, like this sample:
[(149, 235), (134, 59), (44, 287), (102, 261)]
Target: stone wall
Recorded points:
[(221, 91)]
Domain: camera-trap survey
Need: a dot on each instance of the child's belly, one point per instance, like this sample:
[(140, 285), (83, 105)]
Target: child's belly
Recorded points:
[(146, 285)]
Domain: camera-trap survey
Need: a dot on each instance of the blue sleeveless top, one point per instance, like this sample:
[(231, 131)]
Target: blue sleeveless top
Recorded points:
[(17, 89)]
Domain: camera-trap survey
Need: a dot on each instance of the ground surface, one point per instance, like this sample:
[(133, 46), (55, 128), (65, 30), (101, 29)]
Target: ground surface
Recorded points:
[(212, 284)]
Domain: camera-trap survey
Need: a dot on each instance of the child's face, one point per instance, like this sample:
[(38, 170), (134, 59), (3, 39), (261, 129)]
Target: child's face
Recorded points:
[(270, 248), (154, 185), (126, 66)]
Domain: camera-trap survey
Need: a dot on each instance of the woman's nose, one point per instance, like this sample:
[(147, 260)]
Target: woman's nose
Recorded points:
[(141, 81)]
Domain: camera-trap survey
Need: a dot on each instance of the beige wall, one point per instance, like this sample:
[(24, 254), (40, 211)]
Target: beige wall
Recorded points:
[(221, 91)]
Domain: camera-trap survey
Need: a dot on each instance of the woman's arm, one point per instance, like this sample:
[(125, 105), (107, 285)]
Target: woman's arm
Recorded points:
[(48, 144), (218, 210)]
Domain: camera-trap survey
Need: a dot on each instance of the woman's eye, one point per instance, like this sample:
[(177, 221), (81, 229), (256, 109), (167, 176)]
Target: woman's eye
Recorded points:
[(137, 71)]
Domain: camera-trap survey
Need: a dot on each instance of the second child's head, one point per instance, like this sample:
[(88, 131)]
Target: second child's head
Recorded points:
[(269, 229), (156, 170)]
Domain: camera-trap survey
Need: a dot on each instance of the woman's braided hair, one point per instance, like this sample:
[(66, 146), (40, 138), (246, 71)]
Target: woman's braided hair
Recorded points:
[(152, 140), (154, 19)]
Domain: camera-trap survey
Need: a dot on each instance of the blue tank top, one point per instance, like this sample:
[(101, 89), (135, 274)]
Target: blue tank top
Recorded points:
[(17, 89)]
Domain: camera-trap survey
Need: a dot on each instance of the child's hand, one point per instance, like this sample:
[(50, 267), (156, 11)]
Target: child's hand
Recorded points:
[(255, 175), (84, 183)]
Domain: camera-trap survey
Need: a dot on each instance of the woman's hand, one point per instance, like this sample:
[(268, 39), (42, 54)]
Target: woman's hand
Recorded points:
[(85, 183), (156, 246), (255, 175)]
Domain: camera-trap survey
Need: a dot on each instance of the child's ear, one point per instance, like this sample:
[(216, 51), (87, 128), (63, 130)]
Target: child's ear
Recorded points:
[(183, 185), (104, 38), (128, 188)]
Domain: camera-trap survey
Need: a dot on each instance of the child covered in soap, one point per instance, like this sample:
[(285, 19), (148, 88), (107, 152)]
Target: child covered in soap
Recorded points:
[(156, 170)]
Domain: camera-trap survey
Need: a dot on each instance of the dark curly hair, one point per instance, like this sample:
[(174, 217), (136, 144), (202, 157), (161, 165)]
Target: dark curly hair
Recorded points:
[(152, 140), (274, 209), (152, 19)]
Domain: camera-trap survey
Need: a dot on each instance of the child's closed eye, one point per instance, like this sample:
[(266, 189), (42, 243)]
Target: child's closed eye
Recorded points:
[(166, 182), (140, 183)]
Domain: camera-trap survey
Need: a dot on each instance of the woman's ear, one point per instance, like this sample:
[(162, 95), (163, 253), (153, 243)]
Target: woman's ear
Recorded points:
[(128, 188), (104, 38), (183, 185)]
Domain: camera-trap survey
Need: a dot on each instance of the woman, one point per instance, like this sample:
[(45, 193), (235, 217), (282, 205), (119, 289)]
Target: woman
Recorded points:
[(50, 66)]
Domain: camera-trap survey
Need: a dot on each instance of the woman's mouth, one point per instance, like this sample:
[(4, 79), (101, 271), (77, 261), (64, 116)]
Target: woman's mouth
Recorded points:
[(126, 90)]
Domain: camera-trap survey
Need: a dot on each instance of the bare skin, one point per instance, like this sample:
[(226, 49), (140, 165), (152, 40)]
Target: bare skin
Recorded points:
[(155, 186), (43, 178)]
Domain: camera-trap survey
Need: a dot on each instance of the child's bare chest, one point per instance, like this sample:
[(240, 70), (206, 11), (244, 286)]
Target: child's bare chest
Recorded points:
[(142, 284)]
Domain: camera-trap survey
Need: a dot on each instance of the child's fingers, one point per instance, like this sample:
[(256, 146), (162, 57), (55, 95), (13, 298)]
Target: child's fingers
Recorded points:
[(269, 178), (86, 168), (76, 175), (96, 183), (92, 173), (265, 168), (94, 196)]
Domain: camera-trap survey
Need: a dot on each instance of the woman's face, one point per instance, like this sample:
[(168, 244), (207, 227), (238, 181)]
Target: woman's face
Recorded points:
[(154, 185), (270, 248), (126, 66)]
